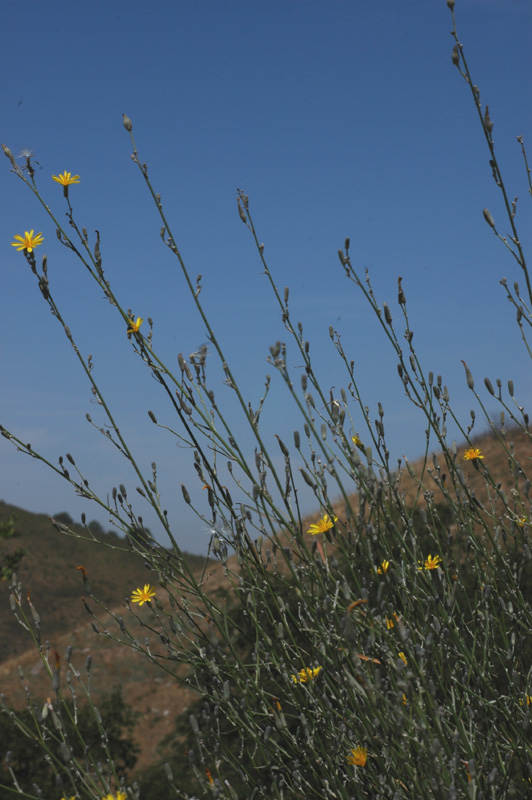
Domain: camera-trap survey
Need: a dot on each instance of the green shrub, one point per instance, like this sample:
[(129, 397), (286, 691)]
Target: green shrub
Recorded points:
[(382, 651), (83, 726)]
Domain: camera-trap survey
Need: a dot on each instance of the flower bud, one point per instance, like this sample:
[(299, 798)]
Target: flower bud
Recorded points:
[(128, 125), (10, 155), (489, 219), (241, 212), (194, 724), (401, 299), (284, 449), (469, 377), (488, 124), (489, 386)]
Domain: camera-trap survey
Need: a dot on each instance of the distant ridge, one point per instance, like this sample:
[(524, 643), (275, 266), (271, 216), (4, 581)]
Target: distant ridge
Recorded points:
[(49, 572)]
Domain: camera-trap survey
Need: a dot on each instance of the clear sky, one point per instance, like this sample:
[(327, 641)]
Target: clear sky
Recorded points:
[(338, 118)]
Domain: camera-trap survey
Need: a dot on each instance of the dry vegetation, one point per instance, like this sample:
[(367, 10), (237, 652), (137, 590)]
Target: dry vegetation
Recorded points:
[(157, 698)]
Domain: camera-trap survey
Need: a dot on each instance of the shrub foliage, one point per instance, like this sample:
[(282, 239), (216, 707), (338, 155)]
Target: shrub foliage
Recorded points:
[(382, 651)]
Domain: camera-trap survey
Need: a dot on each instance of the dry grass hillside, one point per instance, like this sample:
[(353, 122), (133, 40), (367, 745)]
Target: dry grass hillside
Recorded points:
[(502, 470), (49, 571)]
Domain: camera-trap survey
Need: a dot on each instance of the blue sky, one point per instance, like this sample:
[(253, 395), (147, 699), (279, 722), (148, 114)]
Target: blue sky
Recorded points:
[(338, 119)]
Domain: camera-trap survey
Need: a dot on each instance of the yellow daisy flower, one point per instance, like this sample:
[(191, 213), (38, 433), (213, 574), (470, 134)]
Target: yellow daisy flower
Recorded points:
[(324, 524), (472, 453), (135, 326), (306, 674), (432, 562), (28, 241), (66, 179), (142, 596)]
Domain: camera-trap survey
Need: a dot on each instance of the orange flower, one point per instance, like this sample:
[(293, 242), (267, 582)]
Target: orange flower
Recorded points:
[(358, 756)]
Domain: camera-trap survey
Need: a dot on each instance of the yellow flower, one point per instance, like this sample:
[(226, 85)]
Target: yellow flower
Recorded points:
[(383, 569), (405, 701), (402, 657), (432, 562), (358, 442), (306, 674), (472, 453), (28, 241), (134, 326), (141, 596), (119, 796), (324, 524), (390, 621), (358, 756), (66, 178)]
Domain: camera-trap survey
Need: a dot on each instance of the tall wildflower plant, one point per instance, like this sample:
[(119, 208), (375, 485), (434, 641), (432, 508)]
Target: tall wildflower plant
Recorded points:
[(382, 651)]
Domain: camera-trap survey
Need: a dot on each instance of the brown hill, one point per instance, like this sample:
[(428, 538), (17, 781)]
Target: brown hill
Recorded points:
[(506, 456), (56, 586), (154, 695), (49, 572)]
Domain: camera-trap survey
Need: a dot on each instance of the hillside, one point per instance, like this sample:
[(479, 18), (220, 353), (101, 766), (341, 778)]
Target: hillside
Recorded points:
[(49, 572), (154, 695), (56, 586)]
